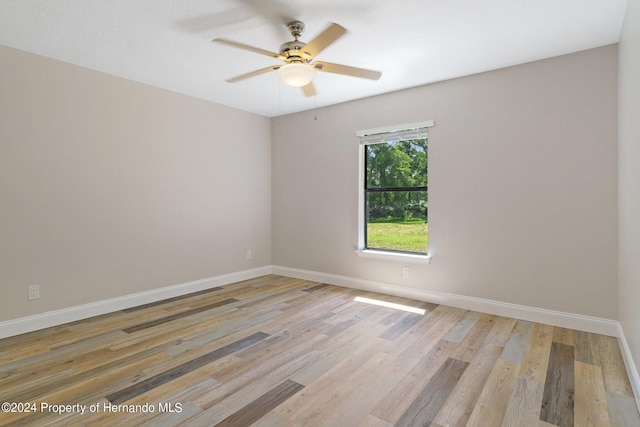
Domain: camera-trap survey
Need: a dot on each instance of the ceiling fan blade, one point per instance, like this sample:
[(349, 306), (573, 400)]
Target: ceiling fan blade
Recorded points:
[(327, 37), (249, 48), (346, 70), (309, 89), (253, 73)]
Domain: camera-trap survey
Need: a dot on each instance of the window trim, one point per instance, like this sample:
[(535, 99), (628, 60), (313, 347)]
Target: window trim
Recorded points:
[(373, 135), (394, 256)]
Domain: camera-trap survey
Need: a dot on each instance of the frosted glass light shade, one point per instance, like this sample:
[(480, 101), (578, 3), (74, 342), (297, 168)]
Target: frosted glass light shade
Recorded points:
[(296, 74)]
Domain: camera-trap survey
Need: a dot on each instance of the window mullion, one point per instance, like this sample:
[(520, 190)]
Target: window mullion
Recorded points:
[(394, 189)]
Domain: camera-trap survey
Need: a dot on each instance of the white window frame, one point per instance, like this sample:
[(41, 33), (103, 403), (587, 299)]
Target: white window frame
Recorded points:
[(370, 136)]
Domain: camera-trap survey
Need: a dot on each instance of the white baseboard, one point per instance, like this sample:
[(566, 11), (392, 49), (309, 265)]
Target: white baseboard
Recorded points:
[(71, 314), (632, 369), (550, 317)]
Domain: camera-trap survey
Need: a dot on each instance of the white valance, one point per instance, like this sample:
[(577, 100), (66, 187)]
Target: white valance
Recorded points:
[(403, 132)]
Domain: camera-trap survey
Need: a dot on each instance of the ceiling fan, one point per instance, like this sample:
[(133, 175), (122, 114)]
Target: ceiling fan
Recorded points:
[(300, 67)]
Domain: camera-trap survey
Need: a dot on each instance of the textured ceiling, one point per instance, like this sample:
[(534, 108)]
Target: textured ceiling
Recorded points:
[(166, 43)]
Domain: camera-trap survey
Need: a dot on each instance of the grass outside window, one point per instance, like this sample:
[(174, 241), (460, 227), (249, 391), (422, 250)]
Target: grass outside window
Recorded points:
[(399, 235)]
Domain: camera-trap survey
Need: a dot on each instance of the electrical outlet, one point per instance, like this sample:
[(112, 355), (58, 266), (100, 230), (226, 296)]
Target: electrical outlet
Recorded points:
[(34, 292), (405, 272), (249, 254)]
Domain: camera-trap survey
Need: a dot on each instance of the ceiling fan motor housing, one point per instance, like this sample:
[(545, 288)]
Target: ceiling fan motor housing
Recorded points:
[(293, 51)]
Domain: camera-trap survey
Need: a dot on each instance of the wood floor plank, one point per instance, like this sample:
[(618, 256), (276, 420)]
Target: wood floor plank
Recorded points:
[(170, 419), (261, 406), (401, 327), (517, 344), (350, 321), (615, 375), (430, 329), (590, 397), (364, 389), (41, 363), (230, 397), (475, 337), (165, 392), (354, 364), (423, 410), (396, 402), (323, 390), (355, 396), (331, 354), (494, 399), (273, 419), (324, 300), (187, 410), (559, 388), (281, 350), (536, 359), (180, 315), (87, 388), (119, 367), (168, 300), (463, 327), (316, 287), (525, 403), (459, 406), (371, 421), (191, 392), (586, 348), (224, 330), (623, 411), (150, 383), (564, 336)]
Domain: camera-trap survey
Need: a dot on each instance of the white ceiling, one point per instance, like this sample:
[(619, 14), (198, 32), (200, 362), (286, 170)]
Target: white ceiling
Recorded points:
[(166, 43)]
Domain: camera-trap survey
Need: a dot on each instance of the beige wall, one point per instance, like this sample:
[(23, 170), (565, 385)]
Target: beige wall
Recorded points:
[(523, 185), (629, 179), (109, 187)]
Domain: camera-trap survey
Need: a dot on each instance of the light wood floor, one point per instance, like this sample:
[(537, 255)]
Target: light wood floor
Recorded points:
[(276, 351)]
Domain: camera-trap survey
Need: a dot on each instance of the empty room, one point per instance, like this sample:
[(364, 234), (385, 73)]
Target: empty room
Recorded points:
[(345, 213)]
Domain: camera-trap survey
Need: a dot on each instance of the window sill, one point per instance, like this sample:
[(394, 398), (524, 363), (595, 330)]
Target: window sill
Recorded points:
[(394, 256)]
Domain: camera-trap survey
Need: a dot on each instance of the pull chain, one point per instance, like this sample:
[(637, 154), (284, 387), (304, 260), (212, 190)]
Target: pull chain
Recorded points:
[(315, 105)]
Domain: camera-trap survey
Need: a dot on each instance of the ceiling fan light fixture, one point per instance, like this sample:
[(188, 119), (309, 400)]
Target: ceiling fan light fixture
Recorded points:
[(296, 74)]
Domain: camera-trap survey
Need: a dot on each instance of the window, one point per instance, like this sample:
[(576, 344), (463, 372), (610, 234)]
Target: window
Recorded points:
[(394, 190)]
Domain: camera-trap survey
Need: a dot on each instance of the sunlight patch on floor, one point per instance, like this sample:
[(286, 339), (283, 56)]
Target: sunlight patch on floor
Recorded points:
[(391, 305)]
